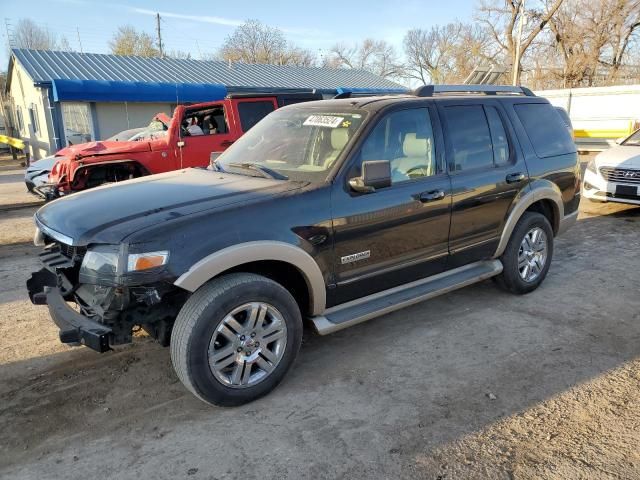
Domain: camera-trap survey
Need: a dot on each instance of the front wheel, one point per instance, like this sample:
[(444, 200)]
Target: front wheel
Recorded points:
[(236, 338), (527, 258)]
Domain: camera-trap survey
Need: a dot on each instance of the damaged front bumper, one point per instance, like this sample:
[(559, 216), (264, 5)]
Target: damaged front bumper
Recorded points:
[(75, 328)]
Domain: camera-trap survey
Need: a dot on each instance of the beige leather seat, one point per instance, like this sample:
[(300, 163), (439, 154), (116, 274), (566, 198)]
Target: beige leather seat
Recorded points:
[(339, 138), (417, 151)]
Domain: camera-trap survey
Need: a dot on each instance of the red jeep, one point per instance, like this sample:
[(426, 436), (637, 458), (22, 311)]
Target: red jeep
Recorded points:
[(185, 140)]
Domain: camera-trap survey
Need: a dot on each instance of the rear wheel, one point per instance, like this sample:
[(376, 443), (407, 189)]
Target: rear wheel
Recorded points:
[(236, 338), (527, 258)]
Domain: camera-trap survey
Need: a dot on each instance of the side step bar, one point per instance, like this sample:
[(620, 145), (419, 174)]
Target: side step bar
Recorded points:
[(363, 309)]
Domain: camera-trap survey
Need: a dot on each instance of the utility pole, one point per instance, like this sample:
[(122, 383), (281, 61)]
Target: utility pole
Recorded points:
[(516, 62), (159, 34), (79, 41)]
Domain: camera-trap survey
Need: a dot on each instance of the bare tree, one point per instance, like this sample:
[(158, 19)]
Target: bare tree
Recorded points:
[(129, 41), (27, 34), (448, 53), (591, 42), (253, 42), (501, 17), (375, 56)]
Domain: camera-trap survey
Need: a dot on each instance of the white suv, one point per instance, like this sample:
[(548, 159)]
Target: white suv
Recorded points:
[(614, 175)]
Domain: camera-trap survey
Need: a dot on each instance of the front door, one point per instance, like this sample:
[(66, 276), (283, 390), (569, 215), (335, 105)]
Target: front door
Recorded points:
[(203, 130), (487, 172), (396, 234)]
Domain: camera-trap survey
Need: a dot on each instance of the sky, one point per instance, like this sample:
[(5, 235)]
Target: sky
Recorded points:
[(201, 27)]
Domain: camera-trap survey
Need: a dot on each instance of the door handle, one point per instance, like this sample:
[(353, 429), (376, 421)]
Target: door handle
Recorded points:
[(227, 143), (431, 196), (515, 177)]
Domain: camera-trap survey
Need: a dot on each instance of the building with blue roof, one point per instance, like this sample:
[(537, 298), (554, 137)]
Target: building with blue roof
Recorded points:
[(56, 98)]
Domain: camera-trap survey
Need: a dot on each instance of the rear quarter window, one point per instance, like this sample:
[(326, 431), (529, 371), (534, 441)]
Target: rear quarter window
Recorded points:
[(546, 130)]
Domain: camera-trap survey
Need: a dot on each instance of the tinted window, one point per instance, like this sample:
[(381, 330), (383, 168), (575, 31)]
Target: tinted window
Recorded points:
[(470, 137), (498, 137), (545, 129), (405, 138), (252, 112)]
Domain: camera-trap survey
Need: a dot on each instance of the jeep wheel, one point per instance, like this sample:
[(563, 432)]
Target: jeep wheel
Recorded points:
[(527, 258), (236, 338)]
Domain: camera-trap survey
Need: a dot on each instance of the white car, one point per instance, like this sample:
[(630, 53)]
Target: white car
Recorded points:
[(614, 175)]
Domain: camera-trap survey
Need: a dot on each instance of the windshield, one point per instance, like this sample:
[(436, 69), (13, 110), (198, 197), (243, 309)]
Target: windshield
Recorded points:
[(299, 144), (633, 140)]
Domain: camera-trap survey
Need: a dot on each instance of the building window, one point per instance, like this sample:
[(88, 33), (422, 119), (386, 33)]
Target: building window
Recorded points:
[(77, 123), (33, 114), (19, 120)]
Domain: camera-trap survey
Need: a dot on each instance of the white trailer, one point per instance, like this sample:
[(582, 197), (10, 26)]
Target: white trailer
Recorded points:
[(600, 115)]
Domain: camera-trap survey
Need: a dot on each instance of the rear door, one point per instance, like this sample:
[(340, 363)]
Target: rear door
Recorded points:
[(203, 130), (487, 171)]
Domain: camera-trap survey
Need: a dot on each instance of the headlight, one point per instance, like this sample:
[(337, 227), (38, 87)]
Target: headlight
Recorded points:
[(591, 166), (145, 261), (100, 261)]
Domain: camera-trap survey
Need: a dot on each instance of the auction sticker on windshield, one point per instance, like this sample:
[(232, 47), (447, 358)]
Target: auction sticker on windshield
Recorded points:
[(323, 121)]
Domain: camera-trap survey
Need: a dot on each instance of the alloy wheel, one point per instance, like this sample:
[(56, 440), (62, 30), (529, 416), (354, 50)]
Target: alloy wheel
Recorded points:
[(247, 345), (532, 254)]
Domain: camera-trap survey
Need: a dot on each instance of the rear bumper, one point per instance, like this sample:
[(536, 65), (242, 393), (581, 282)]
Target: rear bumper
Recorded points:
[(74, 327)]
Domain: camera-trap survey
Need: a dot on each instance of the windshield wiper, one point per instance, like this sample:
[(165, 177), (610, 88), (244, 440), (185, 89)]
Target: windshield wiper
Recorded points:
[(262, 170)]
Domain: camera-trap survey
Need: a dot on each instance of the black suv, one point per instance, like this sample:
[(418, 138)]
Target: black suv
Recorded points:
[(337, 211)]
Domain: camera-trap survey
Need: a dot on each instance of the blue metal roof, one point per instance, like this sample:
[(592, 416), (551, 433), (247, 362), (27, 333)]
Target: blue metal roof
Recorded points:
[(44, 66)]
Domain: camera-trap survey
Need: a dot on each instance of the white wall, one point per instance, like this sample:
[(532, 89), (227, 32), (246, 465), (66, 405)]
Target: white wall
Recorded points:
[(24, 94), (112, 118), (600, 112)]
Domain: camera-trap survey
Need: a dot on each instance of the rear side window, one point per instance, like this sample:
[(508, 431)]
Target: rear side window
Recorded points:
[(470, 137), (546, 130), (252, 112), (501, 155)]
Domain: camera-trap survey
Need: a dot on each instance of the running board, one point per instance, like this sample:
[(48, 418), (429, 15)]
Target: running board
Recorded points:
[(363, 309)]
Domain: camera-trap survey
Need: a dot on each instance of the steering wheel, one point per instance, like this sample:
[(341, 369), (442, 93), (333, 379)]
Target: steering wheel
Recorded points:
[(418, 171)]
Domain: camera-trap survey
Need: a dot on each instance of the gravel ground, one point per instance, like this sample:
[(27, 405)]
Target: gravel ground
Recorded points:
[(475, 384)]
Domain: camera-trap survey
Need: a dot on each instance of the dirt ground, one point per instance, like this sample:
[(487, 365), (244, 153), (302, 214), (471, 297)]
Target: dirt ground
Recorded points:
[(474, 384)]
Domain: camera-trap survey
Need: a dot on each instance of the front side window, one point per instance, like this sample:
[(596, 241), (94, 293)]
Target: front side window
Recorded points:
[(252, 112), (204, 121), (405, 138), (300, 144), (470, 138)]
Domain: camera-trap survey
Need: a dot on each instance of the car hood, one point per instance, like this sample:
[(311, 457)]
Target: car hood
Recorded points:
[(110, 213), (105, 147), (621, 156), (43, 165)]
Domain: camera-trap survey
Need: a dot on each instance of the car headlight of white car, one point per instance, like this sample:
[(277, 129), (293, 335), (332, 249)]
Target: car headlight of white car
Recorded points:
[(591, 166)]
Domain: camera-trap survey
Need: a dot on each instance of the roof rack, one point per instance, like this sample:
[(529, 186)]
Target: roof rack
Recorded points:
[(431, 90)]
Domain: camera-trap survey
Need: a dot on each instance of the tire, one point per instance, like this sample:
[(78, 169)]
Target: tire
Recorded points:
[(511, 278), (204, 332)]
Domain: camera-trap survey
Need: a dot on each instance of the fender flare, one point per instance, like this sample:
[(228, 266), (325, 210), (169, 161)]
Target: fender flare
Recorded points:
[(540, 190), (235, 255)]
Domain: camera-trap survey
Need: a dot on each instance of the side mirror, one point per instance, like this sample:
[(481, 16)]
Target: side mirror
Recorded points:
[(375, 174), (213, 156)]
